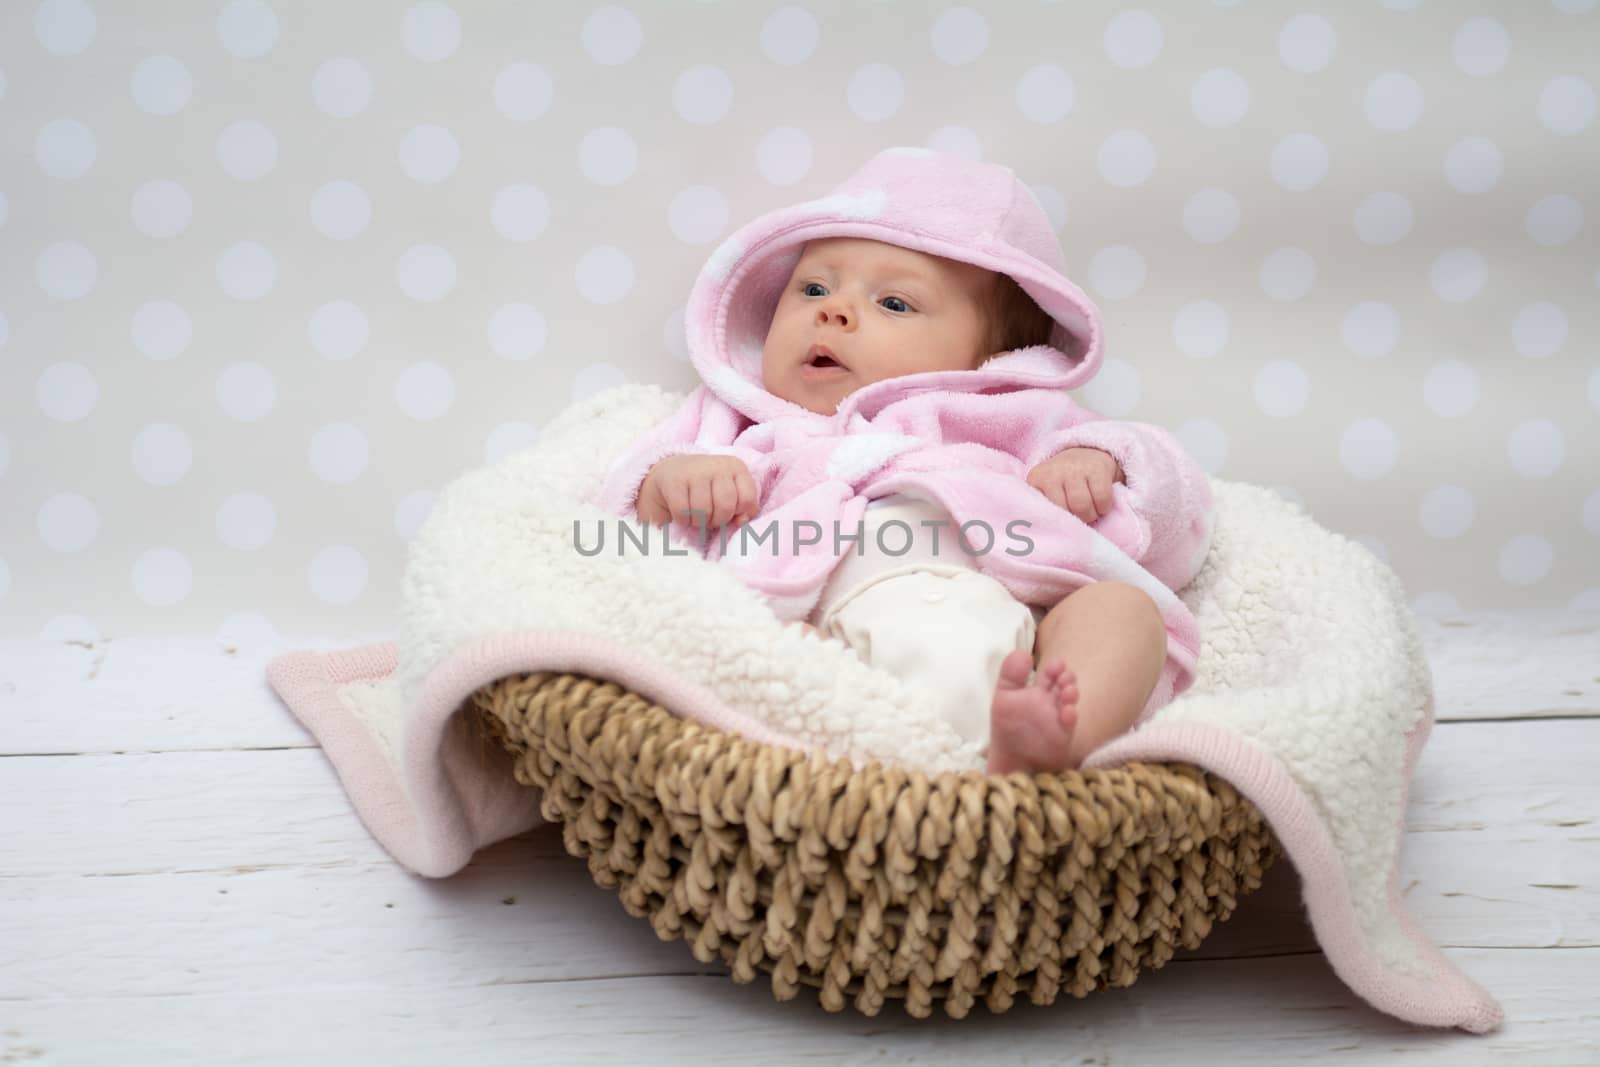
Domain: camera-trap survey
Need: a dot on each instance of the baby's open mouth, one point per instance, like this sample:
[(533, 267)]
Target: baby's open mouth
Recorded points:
[(821, 356)]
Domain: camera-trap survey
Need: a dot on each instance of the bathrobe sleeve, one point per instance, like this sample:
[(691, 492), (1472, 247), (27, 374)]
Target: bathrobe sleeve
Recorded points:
[(1163, 515), (702, 426)]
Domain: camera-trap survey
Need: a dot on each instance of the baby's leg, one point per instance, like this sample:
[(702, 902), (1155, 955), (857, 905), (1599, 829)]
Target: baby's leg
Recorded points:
[(1113, 643)]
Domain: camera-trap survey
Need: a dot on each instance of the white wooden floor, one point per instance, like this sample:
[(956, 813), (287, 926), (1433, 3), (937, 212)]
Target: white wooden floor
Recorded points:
[(182, 881)]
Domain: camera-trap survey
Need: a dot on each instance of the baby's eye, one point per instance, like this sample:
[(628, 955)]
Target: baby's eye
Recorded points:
[(813, 285), (903, 305)]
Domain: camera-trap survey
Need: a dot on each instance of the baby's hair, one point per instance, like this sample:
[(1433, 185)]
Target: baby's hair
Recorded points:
[(1014, 320)]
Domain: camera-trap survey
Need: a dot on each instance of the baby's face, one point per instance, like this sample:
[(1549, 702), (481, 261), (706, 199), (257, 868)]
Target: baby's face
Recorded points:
[(880, 310)]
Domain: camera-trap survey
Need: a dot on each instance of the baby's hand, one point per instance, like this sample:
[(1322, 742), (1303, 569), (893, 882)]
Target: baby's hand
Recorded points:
[(719, 486), (1078, 479)]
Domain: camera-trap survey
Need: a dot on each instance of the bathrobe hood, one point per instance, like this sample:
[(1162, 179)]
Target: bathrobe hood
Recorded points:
[(930, 202)]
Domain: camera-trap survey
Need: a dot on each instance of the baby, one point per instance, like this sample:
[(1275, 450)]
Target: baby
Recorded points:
[(856, 311)]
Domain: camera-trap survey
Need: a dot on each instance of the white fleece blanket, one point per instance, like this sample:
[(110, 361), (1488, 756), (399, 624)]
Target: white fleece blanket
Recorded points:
[(1313, 696)]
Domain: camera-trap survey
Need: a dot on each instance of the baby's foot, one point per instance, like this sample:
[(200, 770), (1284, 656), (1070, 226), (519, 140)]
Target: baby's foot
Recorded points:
[(1030, 726)]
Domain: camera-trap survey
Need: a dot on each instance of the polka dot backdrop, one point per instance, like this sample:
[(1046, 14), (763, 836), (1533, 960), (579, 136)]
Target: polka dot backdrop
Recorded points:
[(275, 273)]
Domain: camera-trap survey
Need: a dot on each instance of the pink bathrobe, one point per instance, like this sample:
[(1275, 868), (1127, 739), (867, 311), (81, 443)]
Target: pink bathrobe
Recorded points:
[(964, 439)]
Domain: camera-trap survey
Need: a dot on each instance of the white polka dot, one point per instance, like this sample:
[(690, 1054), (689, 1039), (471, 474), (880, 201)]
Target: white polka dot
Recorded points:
[(1567, 105), (246, 521), (1473, 165), (338, 453), (1451, 389), (1288, 274), (67, 392), (1539, 330), (338, 330), (1219, 98), (1200, 328), (1594, 389), (1526, 559), (1115, 391), (66, 270), (1282, 388), (611, 35), (246, 270), (674, 336), (1591, 513), (1370, 329), (412, 511), (1554, 220), (1480, 47), (1045, 93), (1458, 275), (162, 577), (161, 209), (784, 155), (341, 88), (507, 439), (1133, 39), (1306, 43), (1053, 203), (337, 575), (429, 154), (246, 391), (956, 141), (1367, 449), (425, 391), (608, 155), (702, 94), (64, 27), (249, 629), (1447, 512), (596, 378), (340, 210), (248, 29), (1536, 448), (520, 212), (1206, 441), (875, 92), (162, 454), (1212, 215), (1117, 271), (161, 85), (1299, 162), (789, 35), (65, 148), (604, 275), (1393, 102), (431, 32), (1383, 218), (426, 272), (698, 215), (161, 329), (517, 331), (1126, 159), (246, 150), (959, 36), (67, 522), (67, 628), (523, 91)]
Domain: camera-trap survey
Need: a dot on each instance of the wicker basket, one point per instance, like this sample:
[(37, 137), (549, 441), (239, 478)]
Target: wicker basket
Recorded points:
[(880, 883)]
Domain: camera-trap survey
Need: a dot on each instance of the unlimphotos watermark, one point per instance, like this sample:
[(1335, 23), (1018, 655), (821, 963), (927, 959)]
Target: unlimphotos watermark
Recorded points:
[(804, 533)]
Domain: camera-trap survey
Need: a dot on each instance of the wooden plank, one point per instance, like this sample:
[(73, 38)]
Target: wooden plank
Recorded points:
[(138, 874), (1514, 665), (1244, 1012), (166, 693)]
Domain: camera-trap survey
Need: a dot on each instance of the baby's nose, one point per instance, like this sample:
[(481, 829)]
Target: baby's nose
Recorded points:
[(835, 313)]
